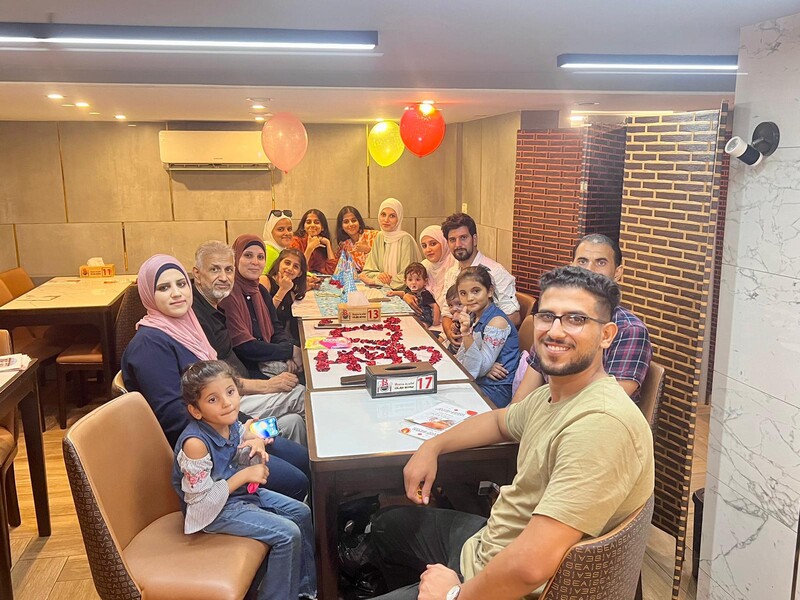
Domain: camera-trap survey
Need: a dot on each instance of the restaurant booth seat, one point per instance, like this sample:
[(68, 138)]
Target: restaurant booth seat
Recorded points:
[(607, 567), (118, 386), (526, 331), (650, 394), (119, 466), (9, 504), (87, 355)]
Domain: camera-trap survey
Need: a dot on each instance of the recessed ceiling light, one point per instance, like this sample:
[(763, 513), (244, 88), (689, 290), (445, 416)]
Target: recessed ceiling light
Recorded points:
[(68, 105), (259, 118), (587, 103), (131, 125), (120, 117), (428, 102), (258, 106), (259, 100), (268, 114), (650, 62), (94, 113), (82, 104), (55, 96), (577, 118)]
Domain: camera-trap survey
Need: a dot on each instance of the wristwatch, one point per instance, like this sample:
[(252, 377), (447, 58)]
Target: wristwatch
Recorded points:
[(453, 593)]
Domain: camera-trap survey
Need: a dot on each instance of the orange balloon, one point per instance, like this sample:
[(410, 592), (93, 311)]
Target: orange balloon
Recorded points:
[(285, 141)]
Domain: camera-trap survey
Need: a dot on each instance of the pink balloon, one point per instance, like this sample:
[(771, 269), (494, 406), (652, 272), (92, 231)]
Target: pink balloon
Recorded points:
[(284, 140)]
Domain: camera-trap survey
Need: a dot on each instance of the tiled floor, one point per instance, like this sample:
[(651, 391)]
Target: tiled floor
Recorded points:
[(56, 568)]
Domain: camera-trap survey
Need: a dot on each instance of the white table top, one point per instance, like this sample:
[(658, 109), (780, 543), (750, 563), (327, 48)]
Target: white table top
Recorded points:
[(447, 369), (349, 422), (309, 306), (73, 292)]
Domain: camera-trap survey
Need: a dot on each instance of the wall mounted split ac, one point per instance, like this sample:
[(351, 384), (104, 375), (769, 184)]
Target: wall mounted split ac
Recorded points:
[(212, 151)]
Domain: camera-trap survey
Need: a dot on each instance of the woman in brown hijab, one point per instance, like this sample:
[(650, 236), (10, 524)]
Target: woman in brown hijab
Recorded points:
[(256, 332)]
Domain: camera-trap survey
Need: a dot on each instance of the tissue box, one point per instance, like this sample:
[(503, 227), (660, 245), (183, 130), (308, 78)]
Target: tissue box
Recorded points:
[(404, 379), (349, 313), (100, 271)]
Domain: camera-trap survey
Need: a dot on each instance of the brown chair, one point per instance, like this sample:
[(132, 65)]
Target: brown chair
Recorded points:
[(119, 466), (9, 504), (604, 568), (526, 333), (526, 302), (17, 281), (86, 356), (650, 394)]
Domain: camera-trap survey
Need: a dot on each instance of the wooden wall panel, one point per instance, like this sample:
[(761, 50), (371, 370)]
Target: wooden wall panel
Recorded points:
[(498, 163), (333, 172), (471, 168), (179, 239), (426, 186), (113, 172), (47, 250), (207, 195), (8, 251), (31, 190)]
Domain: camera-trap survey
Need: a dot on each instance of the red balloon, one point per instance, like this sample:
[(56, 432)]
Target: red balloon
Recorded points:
[(422, 129), (284, 140)]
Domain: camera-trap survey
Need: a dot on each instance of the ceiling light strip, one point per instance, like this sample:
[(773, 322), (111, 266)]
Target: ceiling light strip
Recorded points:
[(652, 62)]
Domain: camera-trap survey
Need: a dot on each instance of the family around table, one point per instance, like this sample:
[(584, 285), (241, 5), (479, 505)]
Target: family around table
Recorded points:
[(214, 352)]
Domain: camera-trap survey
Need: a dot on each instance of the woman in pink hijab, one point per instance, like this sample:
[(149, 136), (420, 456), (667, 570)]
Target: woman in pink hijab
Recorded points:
[(168, 339)]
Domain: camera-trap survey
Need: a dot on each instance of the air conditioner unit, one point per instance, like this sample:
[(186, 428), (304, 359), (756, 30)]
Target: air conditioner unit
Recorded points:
[(212, 151)]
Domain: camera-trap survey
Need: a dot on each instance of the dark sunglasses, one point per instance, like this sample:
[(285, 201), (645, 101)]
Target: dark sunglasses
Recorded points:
[(279, 213)]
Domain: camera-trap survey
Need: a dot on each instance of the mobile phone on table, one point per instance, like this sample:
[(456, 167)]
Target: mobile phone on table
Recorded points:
[(265, 428)]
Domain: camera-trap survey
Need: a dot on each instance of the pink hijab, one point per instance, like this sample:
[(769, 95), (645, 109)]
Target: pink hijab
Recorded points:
[(185, 330)]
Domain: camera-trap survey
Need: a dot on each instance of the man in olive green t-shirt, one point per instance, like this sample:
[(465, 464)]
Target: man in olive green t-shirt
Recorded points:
[(585, 463)]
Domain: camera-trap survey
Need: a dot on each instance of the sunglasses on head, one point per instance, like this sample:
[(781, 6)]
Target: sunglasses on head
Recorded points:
[(281, 213)]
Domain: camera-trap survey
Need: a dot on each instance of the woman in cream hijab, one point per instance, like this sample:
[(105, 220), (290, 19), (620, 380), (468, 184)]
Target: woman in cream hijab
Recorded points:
[(393, 249), (437, 257), (277, 234)]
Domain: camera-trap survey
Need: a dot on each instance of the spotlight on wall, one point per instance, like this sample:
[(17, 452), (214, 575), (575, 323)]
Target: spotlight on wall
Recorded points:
[(766, 137)]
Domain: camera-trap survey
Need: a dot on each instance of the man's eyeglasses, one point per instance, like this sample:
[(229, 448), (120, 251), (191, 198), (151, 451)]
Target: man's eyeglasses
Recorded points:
[(281, 213), (570, 322)]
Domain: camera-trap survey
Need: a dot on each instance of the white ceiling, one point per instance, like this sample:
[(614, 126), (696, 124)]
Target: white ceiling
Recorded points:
[(475, 57)]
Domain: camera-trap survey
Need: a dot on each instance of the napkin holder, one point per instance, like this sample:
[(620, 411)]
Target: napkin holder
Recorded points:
[(404, 379)]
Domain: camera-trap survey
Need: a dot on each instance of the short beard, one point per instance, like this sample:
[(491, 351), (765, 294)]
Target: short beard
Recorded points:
[(217, 295), (458, 251), (572, 368)]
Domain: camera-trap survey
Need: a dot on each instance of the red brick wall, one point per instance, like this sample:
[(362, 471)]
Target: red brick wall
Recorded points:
[(670, 203), (547, 197), (604, 163)]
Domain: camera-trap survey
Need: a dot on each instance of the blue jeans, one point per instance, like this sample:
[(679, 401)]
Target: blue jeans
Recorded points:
[(288, 468), (285, 525)]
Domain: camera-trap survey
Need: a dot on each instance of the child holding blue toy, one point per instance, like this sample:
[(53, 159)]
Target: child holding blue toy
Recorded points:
[(213, 485)]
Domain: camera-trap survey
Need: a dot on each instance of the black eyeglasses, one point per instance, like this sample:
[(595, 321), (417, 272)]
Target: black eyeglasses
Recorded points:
[(281, 213), (570, 322)]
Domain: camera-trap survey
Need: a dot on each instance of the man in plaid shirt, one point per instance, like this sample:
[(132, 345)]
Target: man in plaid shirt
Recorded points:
[(629, 355)]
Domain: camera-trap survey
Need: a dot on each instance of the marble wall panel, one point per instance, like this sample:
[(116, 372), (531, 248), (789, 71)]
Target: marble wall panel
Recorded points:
[(759, 324), (426, 186), (8, 248), (761, 226), (770, 55), (747, 553), (498, 170), (179, 239), (708, 589), (114, 173), (31, 188), (332, 173), (754, 448), (210, 196), (48, 250)]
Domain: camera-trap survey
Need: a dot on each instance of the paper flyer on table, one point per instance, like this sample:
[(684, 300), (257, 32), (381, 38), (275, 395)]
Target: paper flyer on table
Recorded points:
[(434, 420), (14, 362)]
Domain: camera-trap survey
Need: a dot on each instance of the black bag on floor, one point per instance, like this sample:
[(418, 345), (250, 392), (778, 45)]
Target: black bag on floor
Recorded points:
[(359, 575)]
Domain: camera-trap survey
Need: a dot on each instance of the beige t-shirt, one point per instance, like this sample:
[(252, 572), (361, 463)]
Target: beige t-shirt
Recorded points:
[(586, 461)]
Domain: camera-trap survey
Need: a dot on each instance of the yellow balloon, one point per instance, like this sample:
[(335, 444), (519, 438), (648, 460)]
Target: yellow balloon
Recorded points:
[(384, 143)]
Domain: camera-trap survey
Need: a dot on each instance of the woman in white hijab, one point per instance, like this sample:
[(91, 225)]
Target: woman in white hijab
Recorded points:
[(277, 235), (393, 249), (437, 257)]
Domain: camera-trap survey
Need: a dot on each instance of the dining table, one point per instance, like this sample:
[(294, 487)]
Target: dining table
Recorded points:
[(89, 301)]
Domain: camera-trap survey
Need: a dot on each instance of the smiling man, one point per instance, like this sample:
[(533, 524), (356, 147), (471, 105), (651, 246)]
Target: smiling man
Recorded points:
[(461, 234), (585, 463), (281, 396), (628, 356)]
